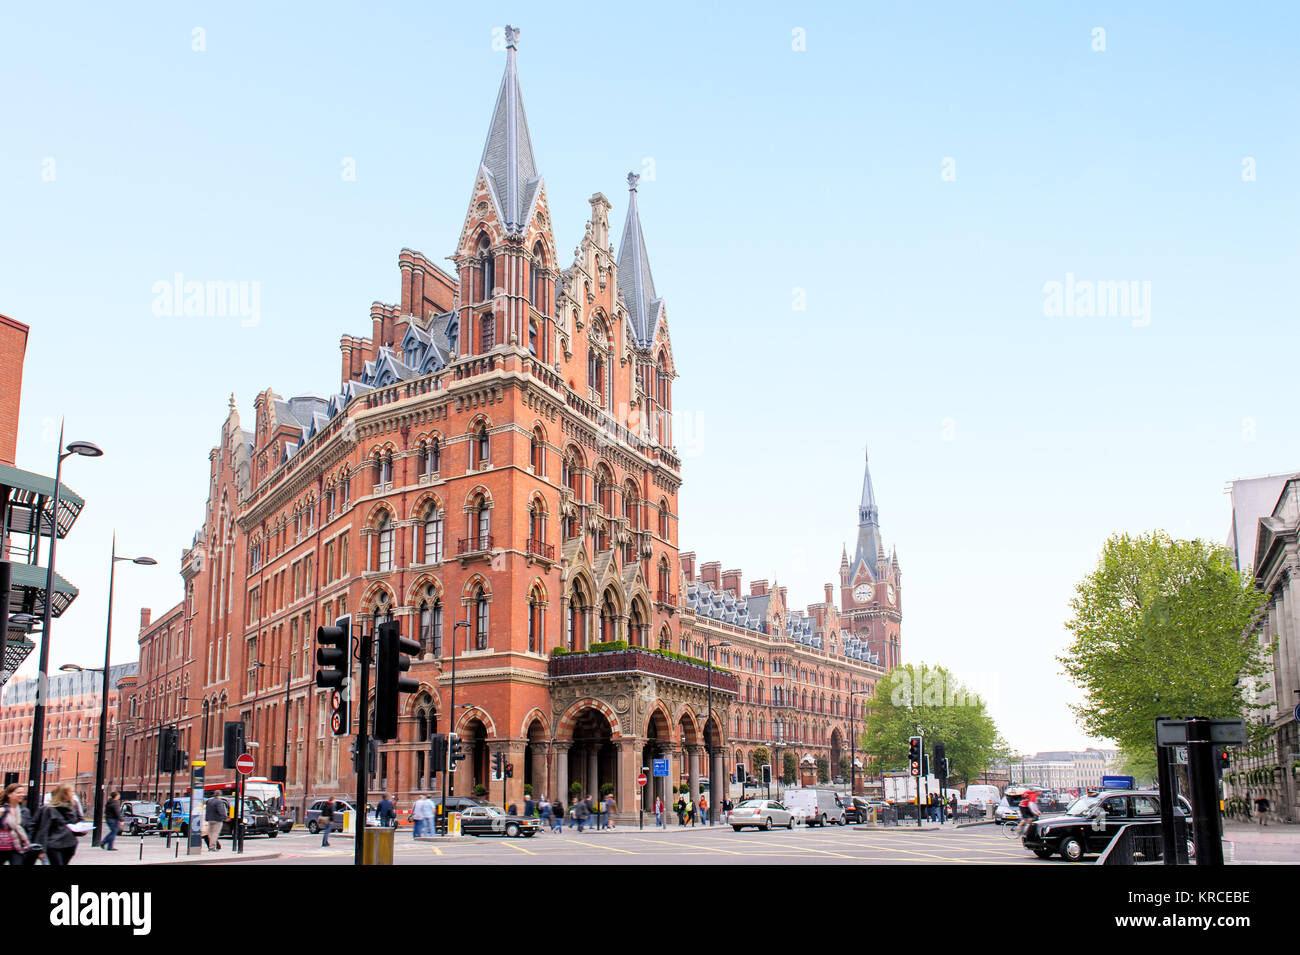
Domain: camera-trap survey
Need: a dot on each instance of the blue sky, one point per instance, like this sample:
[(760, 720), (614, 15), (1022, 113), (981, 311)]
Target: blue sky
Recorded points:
[(1006, 443)]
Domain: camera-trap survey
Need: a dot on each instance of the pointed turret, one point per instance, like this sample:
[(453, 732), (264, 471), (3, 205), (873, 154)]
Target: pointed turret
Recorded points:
[(871, 548), (508, 163), (634, 279)]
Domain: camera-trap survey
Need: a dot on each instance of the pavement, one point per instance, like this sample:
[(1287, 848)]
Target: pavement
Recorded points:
[(1252, 844), (153, 850)]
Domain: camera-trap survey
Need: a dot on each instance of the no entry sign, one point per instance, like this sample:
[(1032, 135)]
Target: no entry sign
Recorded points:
[(244, 764), (640, 780)]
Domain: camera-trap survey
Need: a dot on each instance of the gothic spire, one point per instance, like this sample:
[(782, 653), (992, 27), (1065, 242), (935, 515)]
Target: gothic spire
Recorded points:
[(508, 162), (870, 546), (634, 278)]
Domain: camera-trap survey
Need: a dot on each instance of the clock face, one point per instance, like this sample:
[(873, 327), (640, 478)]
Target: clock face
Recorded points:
[(862, 593), (891, 595)]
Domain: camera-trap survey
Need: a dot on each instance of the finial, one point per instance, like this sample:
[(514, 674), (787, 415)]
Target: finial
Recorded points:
[(512, 38), (866, 455), (232, 401), (632, 180)]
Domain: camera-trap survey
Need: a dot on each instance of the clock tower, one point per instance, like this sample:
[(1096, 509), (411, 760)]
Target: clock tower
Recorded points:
[(871, 586)]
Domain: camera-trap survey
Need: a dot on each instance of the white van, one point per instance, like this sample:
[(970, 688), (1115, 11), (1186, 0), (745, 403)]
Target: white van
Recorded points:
[(983, 796), (816, 806)]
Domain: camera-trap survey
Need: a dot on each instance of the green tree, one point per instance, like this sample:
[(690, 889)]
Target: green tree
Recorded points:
[(844, 767), (1161, 627), (929, 697), (789, 766), (757, 758), (823, 769)]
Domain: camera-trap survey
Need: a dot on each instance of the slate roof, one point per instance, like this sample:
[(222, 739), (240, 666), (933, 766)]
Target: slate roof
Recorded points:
[(644, 307), (508, 162), (720, 605)]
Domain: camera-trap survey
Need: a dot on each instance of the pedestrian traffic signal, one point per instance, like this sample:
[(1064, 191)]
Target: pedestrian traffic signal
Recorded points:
[(940, 762), (393, 662), (372, 763), (767, 774), (510, 770), (454, 752), (438, 753), (740, 772), (334, 656), (498, 764), (914, 755)]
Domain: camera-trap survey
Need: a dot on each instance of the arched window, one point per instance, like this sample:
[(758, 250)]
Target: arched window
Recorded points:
[(487, 269), (433, 463), (487, 333), (433, 535), (482, 449), (384, 550), (431, 623), (480, 619), (532, 337), (483, 522), (537, 279), (663, 518), (386, 472), (536, 622), (536, 452), (536, 525)]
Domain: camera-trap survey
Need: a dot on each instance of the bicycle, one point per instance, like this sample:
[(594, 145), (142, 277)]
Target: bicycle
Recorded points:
[(1017, 831)]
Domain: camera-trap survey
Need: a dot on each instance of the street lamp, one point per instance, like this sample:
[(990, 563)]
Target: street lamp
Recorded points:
[(853, 759), (36, 777), (708, 737), (442, 809), (103, 708)]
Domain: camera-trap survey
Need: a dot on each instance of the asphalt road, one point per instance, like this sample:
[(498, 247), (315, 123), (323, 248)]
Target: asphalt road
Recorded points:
[(978, 845)]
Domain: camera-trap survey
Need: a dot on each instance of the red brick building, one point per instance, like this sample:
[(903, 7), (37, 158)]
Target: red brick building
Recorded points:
[(495, 470), (13, 350)]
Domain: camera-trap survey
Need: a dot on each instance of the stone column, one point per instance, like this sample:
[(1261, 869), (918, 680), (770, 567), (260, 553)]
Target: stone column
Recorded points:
[(591, 785), (717, 785), (675, 755), (514, 754), (625, 788), (541, 785), (561, 756), (693, 772)]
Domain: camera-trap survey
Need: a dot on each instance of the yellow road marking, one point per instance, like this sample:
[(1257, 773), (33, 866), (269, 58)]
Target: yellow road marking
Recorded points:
[(520, 848), (677, 845)]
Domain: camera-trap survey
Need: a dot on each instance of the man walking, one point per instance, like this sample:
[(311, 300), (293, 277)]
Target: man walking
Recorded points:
[(422, 816), (113, 820), (611, 807), (215, 813), (326, 821), (387, 812)]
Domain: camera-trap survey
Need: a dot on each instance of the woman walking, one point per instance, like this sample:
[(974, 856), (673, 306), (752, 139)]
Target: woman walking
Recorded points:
[(52, 824), (15, 821)]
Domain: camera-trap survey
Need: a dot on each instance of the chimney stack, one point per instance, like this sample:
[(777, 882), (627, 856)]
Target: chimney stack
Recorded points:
[(687, 561), (146, 614), (709, 573), (757, 588), (731, 582)]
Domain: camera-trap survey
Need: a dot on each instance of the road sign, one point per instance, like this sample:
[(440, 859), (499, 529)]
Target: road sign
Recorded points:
[(244, 764), (661, 767), (1117, 782), (1180, 755), (1224, 732), (640, 779)]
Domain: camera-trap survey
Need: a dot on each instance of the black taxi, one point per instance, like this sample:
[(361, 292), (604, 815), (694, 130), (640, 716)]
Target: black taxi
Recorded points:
[(1090, 822)]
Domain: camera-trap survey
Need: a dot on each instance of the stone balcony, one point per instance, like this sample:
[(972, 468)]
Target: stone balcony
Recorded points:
[(637, 661)]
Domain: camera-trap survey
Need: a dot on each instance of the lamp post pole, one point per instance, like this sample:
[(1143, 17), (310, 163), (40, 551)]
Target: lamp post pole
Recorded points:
[(853, 757), (36, 778), (708, 736), (451, 728)]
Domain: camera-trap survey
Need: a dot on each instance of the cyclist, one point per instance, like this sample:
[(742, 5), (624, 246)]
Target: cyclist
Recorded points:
[(1028, 811)]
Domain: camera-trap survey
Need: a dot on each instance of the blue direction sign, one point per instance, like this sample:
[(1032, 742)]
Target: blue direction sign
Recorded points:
[(661, 767), (1117, 782)]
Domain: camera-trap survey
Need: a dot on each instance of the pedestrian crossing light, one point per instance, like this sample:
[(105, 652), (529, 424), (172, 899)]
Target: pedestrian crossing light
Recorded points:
[(334, 657), (510, 770), (914, 755), (498, 764), (454, 752)]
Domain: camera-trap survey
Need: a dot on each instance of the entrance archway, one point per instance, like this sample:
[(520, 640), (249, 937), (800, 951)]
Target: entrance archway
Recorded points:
[(475, 745), (592, 757), (658, 740), (535, 759)]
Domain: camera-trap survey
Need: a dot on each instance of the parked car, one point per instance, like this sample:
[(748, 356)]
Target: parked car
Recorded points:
[(820, 806), (761, 814), (491, 821), (139, 815), (982, 795), (1092, 822)]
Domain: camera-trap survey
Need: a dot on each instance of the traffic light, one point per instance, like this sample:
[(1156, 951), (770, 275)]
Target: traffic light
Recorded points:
[(234, 744), (767, 774), (372, 763), (169, 743), (438, 753), (940, 762), (914, 755), (498, 764), (1222, 759), (510, 770), (740, 772), (389, 682), (334, 656), (454, 752)]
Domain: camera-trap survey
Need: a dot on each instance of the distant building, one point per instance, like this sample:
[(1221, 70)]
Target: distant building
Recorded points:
[(13, 350)]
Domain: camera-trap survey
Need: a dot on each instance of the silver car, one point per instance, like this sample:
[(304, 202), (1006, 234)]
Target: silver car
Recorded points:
[(761, 814)]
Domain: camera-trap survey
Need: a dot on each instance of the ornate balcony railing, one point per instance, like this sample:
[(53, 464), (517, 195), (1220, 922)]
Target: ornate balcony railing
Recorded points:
[(667, 597), (472, 545), (541, 548), (635, 659)]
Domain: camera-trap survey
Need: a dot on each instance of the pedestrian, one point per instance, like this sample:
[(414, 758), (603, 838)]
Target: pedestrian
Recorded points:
[(581, 812), (1248, 805), (387, 812), (528, 806), (326, 821), (53, 824), (557, 815), (545, 813), (573, 812), (422, 815), (16, 847), (679, 807), (215, 813), (704, 808), (611, 807), (113, 822), (659, 813), (690, 811), (1261, 810)]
